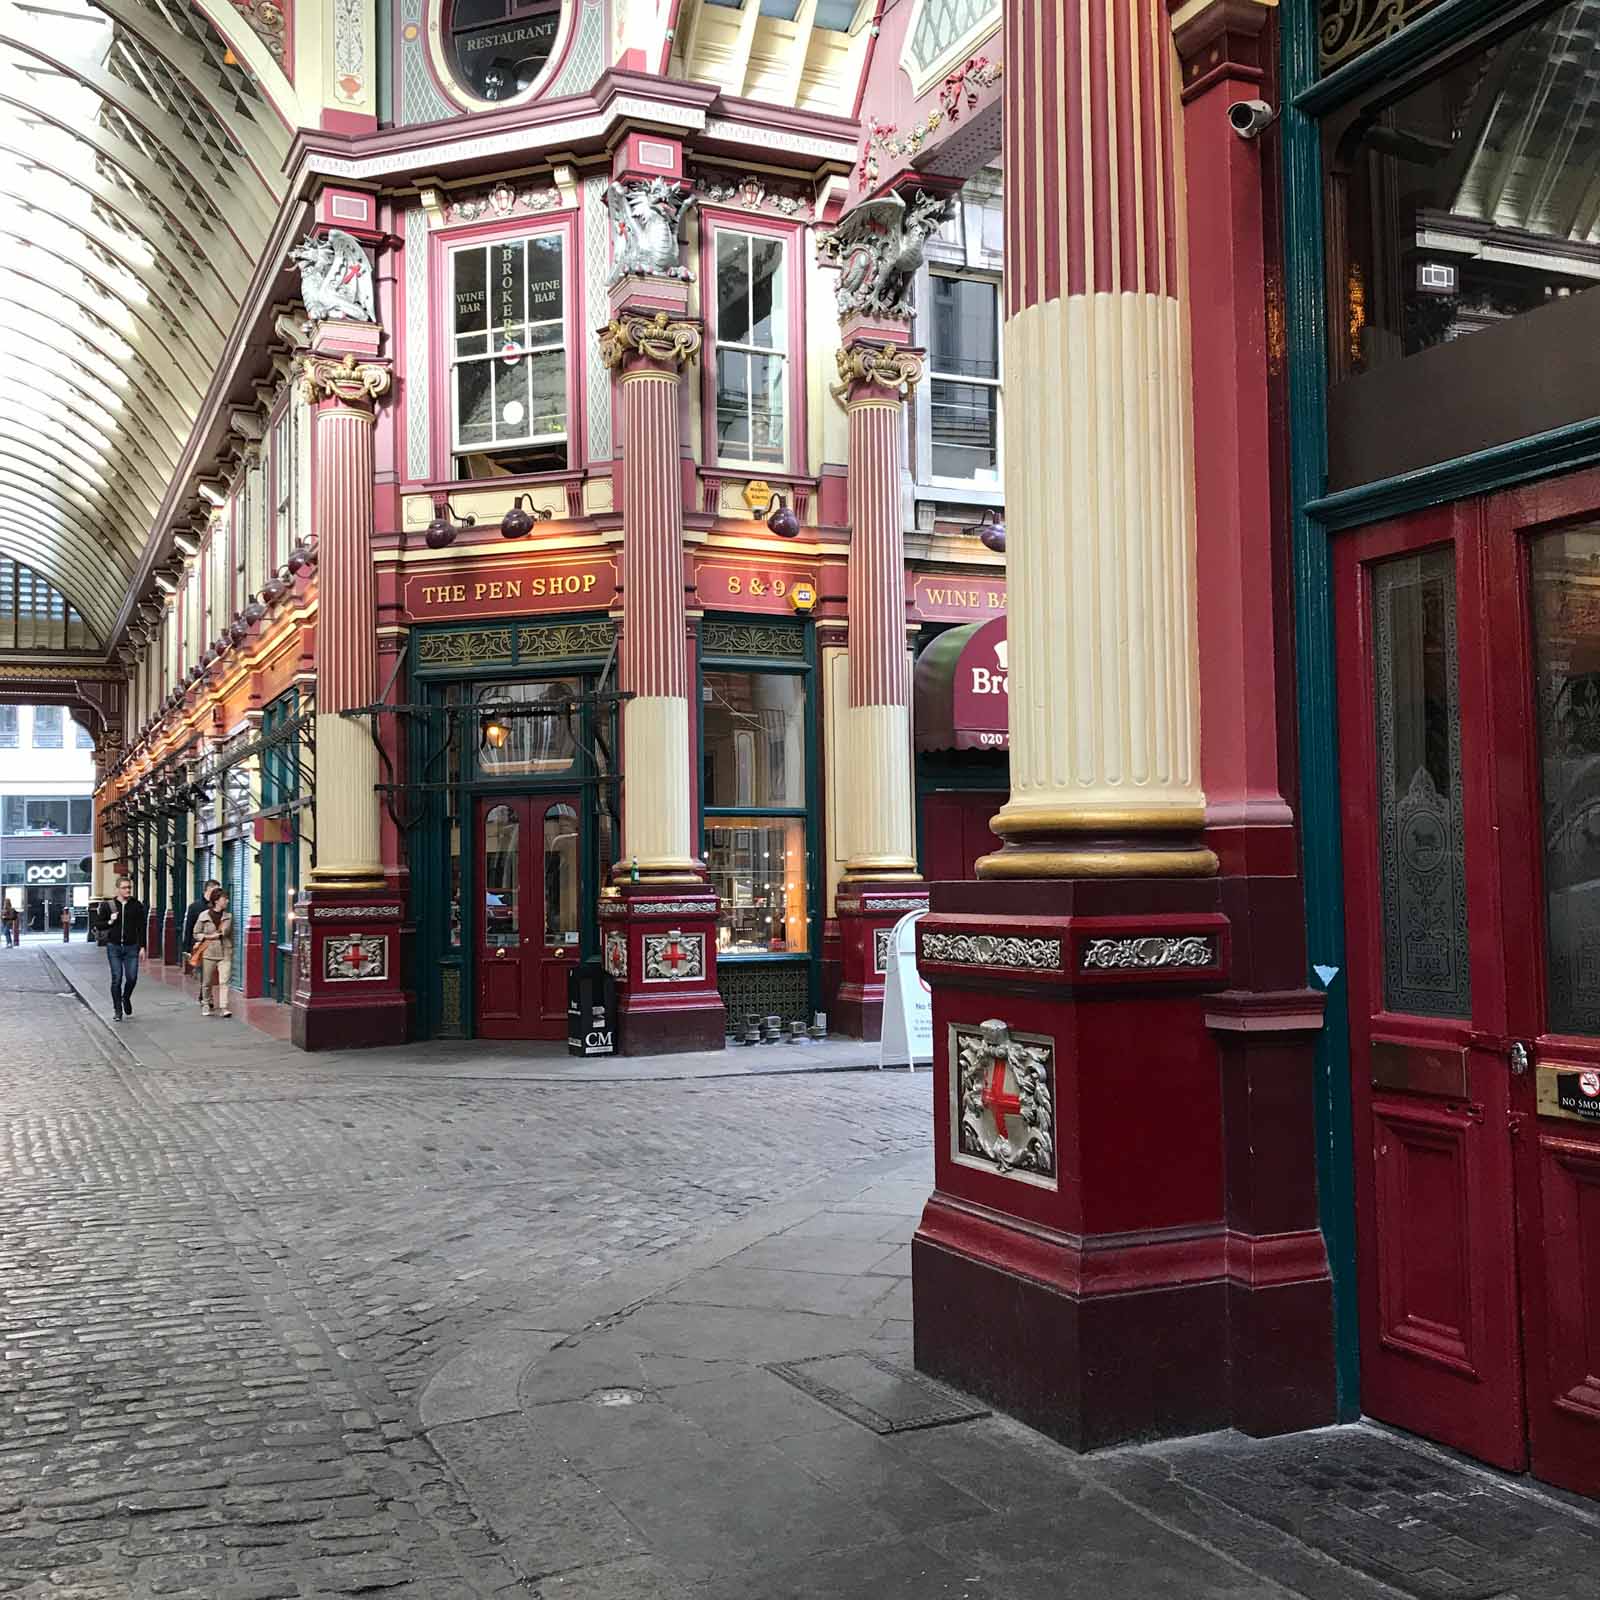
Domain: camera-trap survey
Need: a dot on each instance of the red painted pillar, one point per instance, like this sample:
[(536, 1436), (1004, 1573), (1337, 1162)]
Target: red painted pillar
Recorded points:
[(880, 881), (1266, 1023), (347, 987), (660, 917)]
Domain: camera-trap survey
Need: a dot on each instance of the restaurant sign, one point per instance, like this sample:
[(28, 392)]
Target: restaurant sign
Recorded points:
[(514, 589), (938, 597)]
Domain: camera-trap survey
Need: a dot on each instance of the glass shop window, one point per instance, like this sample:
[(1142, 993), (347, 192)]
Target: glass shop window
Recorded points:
[(498, 48), (1468, 201), (527, 730), (8, 727), (509, 357), (754, 788), (963, 334), (47, 727), (752, 331)]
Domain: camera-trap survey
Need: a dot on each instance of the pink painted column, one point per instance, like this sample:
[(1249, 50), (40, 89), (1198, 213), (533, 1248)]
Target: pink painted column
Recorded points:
[(660, 917), (346, 988), (881, 882)]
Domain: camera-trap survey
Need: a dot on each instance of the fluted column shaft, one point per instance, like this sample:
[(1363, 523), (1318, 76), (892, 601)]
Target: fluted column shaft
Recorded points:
[(349, 848), (877, 726), (1099, 465), (650, 352)]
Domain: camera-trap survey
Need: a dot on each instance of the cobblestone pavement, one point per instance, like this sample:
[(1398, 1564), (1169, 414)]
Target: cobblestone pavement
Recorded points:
[(216, 1313)]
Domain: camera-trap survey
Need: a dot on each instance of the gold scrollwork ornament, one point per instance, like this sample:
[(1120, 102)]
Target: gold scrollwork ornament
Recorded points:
[(883, 366), (351, 382), (658, 339)]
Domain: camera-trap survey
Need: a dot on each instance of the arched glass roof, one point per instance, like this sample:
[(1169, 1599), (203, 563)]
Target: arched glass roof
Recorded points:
[(140, 171)]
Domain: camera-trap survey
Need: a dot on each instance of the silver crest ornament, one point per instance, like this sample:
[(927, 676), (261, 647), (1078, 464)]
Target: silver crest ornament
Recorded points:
[(1005, 1100), (335, 278), (644, 214)]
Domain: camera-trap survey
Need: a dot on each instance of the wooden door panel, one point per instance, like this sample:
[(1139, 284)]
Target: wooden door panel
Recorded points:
[(500, 988), (1424, 1229), (1571, 1170)]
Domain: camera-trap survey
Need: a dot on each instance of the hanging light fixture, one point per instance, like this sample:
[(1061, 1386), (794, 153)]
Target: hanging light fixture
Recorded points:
[(441, 532), (991, 531), (518, 522), (781, 519), (494, 731)]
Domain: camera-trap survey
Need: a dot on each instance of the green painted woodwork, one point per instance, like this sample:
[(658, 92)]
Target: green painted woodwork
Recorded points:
[(1314, 677)]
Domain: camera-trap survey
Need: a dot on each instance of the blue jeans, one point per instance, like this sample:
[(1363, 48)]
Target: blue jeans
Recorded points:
[(124, 959)]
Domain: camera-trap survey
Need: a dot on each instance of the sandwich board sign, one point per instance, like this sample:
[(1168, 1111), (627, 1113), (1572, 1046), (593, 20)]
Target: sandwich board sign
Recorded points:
[(907, 1035)]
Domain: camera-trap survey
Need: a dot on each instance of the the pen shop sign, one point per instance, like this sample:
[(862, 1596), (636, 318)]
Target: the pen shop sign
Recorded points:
[(514, 589)]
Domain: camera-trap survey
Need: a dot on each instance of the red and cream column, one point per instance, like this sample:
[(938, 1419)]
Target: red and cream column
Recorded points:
[(1076, 1262), (660, 922), (347, 986), (881, 883)]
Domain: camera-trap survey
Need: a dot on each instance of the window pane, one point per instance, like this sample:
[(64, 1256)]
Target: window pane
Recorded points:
[(733, 288), (754, 733), (547, 373), (82, 815), (545, 287), (964, 330), (510, 397), (1469, 200), (561, 876), (49, 816), (1564, 569), (471, 303), (500, 858), (543, 744), (966, 431), (47, 727), (509, 294), (16, 813), (733, 404), (767, 410), (766, 268), (474, 403), (1421, 838), (8, 727), (758, 868)]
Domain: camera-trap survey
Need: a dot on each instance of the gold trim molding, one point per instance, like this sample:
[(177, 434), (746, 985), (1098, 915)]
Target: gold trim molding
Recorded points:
[(658, 339), (351, 382)]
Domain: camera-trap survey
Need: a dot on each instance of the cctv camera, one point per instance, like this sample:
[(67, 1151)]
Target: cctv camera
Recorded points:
[(1251, 118)]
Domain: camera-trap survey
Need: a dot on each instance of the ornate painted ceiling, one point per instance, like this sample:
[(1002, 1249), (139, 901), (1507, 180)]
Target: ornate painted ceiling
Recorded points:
[(141, 171)]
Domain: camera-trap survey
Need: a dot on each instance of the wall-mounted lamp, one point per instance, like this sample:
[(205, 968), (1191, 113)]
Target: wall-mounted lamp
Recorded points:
[(518, 522), (441, 532), (991, 531), (781, 519), (495, 732)]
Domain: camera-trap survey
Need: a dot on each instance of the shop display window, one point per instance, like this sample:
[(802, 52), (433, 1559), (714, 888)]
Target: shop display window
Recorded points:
[(754, 789), (508, 356), (752, 363)]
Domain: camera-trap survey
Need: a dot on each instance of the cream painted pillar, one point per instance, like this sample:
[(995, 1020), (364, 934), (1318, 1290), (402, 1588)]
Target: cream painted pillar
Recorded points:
[(349, 849), (876, 376), (1099, 472)]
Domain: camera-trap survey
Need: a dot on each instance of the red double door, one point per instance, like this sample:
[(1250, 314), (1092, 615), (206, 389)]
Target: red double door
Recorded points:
[(1469, 661), (528, 914)]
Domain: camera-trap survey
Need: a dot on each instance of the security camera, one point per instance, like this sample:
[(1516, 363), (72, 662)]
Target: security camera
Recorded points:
[(1251, 118)]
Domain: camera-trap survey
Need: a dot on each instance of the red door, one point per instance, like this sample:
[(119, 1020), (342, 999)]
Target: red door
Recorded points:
[(528, 919), (1469, 659)]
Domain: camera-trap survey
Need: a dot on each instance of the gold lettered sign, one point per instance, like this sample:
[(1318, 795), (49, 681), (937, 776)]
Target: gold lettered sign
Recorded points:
[(756, 586), (513, 589), (937, 598)]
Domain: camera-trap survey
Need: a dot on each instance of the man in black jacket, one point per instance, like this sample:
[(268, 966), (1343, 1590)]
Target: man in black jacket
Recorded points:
[(122, 932), (197, 907)]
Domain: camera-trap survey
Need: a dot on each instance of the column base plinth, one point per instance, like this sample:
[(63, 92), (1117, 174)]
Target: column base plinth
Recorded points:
[(346, 991), (1081, 1262), (659, 941), (169, 939), (868, 909)]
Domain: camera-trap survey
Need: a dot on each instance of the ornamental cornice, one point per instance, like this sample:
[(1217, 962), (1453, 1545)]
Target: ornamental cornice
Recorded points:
[(877, 366), (351, 382), (658, 339)]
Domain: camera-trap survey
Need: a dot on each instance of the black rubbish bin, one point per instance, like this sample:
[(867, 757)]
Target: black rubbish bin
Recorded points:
[(591, 1010)]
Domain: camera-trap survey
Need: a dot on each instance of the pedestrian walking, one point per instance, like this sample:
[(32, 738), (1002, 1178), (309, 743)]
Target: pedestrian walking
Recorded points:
[(66, 924), (213, 935), (122, 932), (10, 923), (196, 909)]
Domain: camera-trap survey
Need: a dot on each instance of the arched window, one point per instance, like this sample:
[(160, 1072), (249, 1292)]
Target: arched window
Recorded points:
[(35, 615), (498, 48)]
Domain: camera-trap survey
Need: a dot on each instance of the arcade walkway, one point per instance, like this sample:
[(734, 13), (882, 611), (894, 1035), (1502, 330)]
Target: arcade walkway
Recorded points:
[(279, 1326)]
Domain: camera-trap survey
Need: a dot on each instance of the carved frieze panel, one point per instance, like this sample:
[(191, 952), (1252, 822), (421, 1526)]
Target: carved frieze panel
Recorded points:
[(1150, 952), (992, 950)]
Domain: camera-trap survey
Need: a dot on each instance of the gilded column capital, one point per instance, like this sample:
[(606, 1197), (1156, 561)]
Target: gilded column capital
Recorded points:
[(355, 384), (885, 373), (633, 340)]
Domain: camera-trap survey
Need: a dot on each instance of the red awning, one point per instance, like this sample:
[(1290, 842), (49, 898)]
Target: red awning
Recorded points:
[(960, 699)]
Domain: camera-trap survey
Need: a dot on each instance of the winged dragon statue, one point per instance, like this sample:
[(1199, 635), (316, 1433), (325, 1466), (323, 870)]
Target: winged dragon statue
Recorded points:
[(335, 278), (644, 214), (878, 247)]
